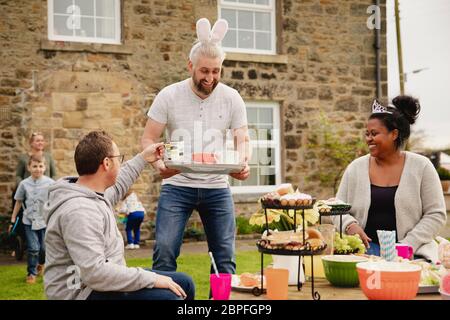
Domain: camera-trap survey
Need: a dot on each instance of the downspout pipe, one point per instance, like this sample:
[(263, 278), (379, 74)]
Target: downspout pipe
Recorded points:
[(377, 57)]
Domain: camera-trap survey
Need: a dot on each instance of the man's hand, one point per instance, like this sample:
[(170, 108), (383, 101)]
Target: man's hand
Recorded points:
[(354, 228), (167, 283), (163, 171), (243, 174), (153, 152), (10, 228)]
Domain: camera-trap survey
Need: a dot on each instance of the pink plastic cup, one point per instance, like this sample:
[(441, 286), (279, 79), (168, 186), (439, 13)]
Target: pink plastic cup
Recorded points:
[(220, 286), (404, 250)]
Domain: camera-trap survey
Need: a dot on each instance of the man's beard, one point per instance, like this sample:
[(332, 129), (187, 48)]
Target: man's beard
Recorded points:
[(203, 89)]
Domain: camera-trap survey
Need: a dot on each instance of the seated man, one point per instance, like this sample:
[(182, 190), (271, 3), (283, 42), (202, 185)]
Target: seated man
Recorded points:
[(85, 250)]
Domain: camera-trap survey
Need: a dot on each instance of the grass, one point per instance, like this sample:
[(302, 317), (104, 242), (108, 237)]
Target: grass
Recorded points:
[(13, 286)]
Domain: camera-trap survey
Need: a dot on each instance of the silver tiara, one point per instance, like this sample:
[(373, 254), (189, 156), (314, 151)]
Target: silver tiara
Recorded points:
[(379, 108)]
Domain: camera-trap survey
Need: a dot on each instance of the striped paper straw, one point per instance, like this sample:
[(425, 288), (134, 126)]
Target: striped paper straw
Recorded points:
[(387, 244)]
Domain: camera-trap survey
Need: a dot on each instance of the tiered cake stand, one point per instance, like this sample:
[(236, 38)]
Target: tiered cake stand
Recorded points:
[(306, 250)]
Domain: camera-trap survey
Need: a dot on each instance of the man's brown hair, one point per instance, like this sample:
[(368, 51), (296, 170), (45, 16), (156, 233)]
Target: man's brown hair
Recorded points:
[(91, 150)]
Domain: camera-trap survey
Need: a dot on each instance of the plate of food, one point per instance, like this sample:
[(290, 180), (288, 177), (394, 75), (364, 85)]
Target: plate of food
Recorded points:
[(247, 282)]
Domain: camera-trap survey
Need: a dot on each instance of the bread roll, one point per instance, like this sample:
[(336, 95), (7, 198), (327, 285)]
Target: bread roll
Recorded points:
[(249, 280), (285, 188), (314, 234)]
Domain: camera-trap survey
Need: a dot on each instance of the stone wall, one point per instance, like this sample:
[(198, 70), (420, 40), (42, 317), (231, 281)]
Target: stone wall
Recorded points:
[(326, 62)]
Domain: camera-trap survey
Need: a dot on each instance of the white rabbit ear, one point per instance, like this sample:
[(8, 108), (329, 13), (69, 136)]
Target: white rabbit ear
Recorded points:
[(219, 30), (203, 29)]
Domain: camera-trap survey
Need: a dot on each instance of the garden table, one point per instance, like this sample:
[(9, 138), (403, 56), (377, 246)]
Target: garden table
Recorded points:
[(326, 291)]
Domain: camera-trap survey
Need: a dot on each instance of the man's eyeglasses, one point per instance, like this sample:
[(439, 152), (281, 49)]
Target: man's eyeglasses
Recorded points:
[(120, 156)]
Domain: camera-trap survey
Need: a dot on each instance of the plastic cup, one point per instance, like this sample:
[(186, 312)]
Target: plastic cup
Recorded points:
[(220, 286), (277, 283), (327, 231), (404, 250)]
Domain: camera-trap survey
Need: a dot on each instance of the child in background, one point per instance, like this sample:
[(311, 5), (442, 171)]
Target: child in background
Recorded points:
[(135, 212), (33, 192)]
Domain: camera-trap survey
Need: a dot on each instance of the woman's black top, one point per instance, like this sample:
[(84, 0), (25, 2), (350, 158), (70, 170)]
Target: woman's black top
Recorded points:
[(381, 211)]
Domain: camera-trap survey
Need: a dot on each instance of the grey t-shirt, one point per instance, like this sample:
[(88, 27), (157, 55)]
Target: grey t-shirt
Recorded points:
[(34, 193), (202, 124)]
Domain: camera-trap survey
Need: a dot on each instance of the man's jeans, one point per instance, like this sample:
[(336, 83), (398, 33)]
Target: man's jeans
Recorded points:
[(35, 248), (183, 280), (216, 210)]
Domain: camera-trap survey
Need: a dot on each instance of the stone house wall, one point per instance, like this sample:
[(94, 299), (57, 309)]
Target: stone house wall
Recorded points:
[(325, 61)]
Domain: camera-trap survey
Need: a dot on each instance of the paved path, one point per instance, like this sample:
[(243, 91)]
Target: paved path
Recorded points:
[(147, 251)]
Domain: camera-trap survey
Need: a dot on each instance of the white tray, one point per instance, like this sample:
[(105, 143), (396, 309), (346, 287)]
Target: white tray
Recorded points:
[(194, 167)]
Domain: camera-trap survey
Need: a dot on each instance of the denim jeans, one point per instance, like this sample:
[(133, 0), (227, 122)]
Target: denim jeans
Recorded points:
[(374, 249), (134, 221), (216, 210), (35, 248), (183, 280)]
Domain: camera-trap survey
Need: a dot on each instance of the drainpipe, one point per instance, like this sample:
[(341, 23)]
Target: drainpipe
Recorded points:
[(378, 57)]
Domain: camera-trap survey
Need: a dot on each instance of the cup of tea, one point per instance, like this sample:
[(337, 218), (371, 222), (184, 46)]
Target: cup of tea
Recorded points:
[(404, 250)]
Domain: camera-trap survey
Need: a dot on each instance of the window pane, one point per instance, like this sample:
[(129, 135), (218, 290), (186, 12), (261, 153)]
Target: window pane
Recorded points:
[(262, 21), (266, 156), (87, 28), (245, 20), (230, 16), (252, 115), (105, 28), (253, 133), (265, 134), (267, 176), (86, 7), (246, 1), (254, 158), (63, 25), (265, 115), (230, 39), (245, 39), (265, 2), (61, 6), (105, 8), (262, 41)]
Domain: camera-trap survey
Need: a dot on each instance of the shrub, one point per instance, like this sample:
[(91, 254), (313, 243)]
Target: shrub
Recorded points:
[(443, 173), (243, 226)]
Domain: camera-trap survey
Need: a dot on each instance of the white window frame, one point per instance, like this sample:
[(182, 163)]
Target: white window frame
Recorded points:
[(274, 143), (54, 37), (271, 8)]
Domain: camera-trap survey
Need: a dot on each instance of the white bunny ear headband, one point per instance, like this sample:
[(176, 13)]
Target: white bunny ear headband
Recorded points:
[(205, 34)]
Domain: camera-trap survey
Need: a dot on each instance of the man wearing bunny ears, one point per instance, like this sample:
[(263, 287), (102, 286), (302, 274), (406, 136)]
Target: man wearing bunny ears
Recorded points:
[(198, 111)]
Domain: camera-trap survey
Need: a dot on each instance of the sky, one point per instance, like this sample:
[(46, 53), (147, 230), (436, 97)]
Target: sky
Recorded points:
[(425, 36)]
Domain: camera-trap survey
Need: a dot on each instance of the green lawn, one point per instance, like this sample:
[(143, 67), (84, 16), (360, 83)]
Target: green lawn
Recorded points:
[(13, 286)]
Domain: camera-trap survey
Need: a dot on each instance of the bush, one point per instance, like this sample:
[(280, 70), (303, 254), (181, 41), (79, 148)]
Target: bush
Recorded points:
[(243, 227), (443, 173), (196, 233)]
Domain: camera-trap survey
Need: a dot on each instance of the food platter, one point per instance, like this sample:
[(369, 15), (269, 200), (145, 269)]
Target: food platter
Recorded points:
[(206, 168), (237, 286), (306, 251)]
